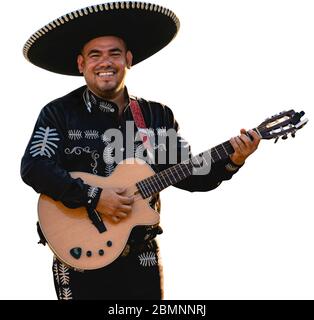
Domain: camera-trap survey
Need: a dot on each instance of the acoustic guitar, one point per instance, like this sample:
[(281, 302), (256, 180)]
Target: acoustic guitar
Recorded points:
[(84, 242)]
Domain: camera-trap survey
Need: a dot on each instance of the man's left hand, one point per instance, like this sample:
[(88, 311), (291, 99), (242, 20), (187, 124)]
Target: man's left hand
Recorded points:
[(243, 146)]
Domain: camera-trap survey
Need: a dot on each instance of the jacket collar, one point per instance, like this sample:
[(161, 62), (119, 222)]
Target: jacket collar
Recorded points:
[(92, 102)]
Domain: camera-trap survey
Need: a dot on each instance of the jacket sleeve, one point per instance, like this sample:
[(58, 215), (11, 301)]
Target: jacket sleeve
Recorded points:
[(42, 166), (212, 177)]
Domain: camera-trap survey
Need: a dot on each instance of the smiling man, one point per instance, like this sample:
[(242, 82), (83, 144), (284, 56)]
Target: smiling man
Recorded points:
[(101, 43), (103, 62)]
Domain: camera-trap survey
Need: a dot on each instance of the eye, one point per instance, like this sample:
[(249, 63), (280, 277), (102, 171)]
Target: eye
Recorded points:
[(116, 54)]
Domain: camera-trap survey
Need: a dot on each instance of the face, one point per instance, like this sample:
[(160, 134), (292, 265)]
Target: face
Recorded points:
[(104, 62)]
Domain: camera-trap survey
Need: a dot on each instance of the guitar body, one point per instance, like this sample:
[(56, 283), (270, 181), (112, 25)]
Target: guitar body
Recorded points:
[(72, 236)]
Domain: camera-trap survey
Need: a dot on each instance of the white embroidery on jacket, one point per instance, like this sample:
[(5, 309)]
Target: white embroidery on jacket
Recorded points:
[(148, 259), (66, 294), (64, 274), (43, 144), (79, 150), (108, 160), (75, 134), (91, 134), (105, 107), (92, 192), (108, 155), (62, 277)]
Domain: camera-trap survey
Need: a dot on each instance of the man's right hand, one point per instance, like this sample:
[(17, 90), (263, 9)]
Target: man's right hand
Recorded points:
[(113, 204)]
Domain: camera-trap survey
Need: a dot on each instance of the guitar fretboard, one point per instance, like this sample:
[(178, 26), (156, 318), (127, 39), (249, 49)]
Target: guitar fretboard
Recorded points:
[(181, 171)]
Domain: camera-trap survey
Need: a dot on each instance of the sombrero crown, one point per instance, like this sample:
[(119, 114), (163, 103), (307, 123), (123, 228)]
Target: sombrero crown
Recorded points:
[(146, 28)]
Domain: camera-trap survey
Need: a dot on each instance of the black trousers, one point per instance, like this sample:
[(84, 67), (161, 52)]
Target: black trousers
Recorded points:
[(135, 275)]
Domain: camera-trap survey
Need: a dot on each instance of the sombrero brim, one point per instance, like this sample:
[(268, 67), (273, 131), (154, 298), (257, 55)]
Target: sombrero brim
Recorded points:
[(146, 29)]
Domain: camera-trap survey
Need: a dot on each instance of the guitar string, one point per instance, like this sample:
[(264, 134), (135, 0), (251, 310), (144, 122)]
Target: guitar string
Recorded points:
[(183, 166), (149, 183)]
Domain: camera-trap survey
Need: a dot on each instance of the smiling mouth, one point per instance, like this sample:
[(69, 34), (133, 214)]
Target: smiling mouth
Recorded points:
[(106, 74)]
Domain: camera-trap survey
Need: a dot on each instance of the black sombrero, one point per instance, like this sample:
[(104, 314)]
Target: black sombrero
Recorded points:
[(145, 27)]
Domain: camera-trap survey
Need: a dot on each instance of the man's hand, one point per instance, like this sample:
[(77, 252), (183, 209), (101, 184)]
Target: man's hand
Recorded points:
[(113, 204), (243, 146)]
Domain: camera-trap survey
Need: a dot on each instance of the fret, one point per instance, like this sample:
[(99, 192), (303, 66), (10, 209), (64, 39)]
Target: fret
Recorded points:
[(213, 155), (173, 175), (150, 189), (154, 184), (158, 186), (182, 171), (188, 168), (175, 169), (228, 147), (146, 190), (195, 159), (158, 177), (142, 189), (217, 153), (204, 159), (167, 176), (227, 154), (161, 177)]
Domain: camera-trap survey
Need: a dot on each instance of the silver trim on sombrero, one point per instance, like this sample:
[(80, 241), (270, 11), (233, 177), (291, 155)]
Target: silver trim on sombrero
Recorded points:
[(95, 8)]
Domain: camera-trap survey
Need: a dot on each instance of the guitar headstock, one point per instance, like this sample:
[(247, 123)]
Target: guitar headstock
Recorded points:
[(282, 124)]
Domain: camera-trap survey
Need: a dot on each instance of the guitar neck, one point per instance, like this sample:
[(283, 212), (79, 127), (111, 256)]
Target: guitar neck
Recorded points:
[(181, 171)]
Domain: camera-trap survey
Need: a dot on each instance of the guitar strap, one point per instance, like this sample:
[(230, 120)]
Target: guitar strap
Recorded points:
[(138, 118), (142, 128)]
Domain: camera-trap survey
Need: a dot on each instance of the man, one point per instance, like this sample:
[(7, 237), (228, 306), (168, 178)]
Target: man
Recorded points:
[(71, 135)]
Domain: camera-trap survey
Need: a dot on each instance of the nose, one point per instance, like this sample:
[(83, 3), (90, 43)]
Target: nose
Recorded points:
[(105, 62)]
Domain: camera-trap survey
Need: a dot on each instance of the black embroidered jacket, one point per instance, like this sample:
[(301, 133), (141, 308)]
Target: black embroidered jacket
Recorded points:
[(70, 135)]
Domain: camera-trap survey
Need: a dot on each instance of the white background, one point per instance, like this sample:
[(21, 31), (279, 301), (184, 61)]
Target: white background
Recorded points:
[(233, 64)]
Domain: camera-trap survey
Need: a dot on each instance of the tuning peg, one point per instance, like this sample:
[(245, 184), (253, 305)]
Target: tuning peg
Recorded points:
[(284, 137), (276, 140), (293, 134)]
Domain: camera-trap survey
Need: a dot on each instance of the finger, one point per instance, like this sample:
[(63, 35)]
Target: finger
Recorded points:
[(235, 145), (240, 143), (255, 136), (126, 200), (245, 139), (125, 209), (115, 219), (120, 214), (243, 131), (120, 190)]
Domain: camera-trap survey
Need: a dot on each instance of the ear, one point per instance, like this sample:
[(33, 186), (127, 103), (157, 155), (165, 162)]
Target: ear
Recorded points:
[(80, 63), (129, 59)]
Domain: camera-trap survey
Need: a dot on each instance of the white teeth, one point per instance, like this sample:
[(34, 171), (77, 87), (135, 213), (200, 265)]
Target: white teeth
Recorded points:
[(106, 74)]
